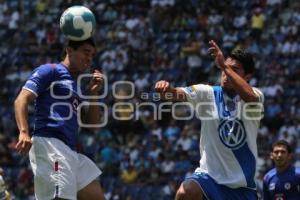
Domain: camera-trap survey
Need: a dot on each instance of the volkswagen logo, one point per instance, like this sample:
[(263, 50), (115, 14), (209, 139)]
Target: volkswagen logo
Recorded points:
[(232, 133)]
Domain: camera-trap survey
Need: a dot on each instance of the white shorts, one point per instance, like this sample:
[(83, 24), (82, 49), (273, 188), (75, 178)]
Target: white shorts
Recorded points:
[(58, 170)]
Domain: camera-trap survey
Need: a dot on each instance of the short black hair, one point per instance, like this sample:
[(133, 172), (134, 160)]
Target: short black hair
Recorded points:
[(76, 44), (245, 58), (283, 143)]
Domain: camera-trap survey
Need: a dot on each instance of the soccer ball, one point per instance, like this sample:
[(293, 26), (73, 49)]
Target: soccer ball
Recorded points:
[(77, 23)]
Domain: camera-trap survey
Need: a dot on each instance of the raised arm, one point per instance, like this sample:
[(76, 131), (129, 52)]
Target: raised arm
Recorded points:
[(92, 115), (168, 92), (240, 85), (21, 115)]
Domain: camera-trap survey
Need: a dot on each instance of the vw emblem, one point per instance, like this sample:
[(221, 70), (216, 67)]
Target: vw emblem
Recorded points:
[(232, 133)]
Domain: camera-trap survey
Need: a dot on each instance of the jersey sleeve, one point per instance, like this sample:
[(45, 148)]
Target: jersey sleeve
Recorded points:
[(255, 110), (259, 94), (40, 79), (197, 93), (201, 97)]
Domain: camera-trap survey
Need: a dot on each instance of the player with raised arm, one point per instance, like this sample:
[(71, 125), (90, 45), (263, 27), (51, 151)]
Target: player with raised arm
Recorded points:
[(230, 115), (59, 171), (282, 182)]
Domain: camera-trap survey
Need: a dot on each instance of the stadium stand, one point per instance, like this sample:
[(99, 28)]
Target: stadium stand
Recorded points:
[(144, 41)]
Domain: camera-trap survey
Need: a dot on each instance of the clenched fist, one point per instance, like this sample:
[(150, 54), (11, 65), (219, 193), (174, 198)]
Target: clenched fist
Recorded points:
[(163, 86)]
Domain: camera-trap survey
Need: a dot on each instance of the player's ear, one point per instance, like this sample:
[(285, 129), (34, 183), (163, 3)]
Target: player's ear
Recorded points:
[(69, 51), (271, 156)]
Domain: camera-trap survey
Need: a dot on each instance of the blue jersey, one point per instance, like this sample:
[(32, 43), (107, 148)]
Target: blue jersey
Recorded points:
[(56, 103), (282, 186)]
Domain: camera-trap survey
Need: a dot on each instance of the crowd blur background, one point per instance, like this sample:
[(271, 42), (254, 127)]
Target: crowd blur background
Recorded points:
[(143, 41)]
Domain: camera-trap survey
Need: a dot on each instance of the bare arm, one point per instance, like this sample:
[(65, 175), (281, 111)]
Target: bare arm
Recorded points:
[(240, 85), (244, 90), (21, 115), (92, 115), (168, 92)]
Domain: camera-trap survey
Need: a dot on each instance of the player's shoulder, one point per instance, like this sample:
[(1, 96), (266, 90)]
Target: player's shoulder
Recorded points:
[(202, 87), (257, 90), (197, 88), (48, 67), (271, 173), (297, 170), (258, 93)]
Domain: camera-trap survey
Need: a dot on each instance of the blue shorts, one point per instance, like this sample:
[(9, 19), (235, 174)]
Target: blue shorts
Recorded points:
[(214, 191)]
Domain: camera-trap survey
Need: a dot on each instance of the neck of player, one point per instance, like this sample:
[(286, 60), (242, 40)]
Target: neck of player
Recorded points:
[(283, 168), (74, 72)]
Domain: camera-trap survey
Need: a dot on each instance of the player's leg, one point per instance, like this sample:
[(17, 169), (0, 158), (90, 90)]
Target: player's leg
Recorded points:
[(87, 174), (199, 186), (189, 190), (52, 165), (92, 191)]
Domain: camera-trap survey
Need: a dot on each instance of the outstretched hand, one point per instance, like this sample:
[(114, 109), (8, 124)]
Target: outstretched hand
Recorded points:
[(96, 82), (217, 54)]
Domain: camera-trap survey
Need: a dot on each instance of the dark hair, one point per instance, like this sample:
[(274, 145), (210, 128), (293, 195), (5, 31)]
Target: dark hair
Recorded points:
[(76, 44), (283, 143), (245, 58)]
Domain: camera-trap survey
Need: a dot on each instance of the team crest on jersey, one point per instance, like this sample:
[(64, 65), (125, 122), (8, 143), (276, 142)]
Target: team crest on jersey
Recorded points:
[(272, 186), (191, 90), (232, 133), (287, 186)]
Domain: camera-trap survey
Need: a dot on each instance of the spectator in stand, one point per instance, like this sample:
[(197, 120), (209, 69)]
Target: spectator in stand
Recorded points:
[(160, 57)]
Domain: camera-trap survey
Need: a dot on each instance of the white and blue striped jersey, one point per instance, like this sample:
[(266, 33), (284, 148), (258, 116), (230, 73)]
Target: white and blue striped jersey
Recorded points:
[(229, 127)]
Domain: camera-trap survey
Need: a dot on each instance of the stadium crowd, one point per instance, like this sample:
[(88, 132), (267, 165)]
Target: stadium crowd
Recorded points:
[(143, 41)]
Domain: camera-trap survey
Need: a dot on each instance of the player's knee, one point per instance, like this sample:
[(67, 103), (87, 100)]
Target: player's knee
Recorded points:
[(189, 190)]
